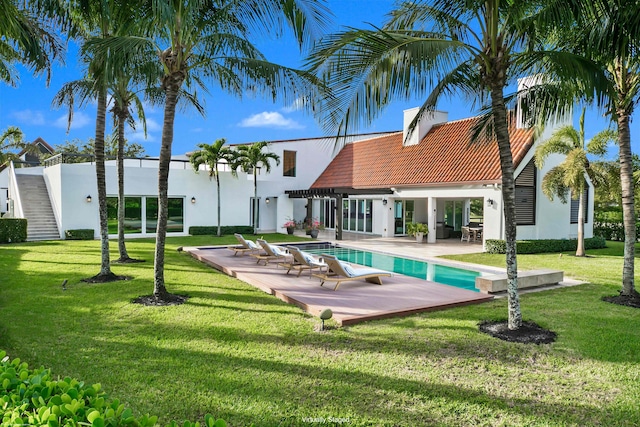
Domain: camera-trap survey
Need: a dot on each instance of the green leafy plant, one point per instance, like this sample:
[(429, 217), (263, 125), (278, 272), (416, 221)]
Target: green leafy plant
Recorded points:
[(34, 397), (414, 228)]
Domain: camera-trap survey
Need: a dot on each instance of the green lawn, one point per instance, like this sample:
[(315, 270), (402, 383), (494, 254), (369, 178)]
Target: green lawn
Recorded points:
[(245, 356)]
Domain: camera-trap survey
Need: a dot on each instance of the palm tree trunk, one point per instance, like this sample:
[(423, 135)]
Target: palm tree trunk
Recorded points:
[(218, 193), (581, 203), (628, 213), (122, 248), (501, 129), (171, 91), (255, 200), (105, 266)]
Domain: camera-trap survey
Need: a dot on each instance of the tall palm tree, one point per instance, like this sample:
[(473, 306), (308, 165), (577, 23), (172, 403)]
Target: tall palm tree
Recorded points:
[(251, 158), (570, 174), (123, 96), (196, 40), (27, 39), (607, 32), (211, 155), (97, 21), (430, 49)]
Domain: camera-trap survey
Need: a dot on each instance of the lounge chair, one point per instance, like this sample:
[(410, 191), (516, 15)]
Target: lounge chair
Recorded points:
[(342, 272), (245, 246), (271, 252), (303, 261)]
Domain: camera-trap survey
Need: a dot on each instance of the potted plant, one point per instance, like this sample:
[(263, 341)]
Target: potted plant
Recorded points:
[(290, 225), (417, 229), (312, 226)]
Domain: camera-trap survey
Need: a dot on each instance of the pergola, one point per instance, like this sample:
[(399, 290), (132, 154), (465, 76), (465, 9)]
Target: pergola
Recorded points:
[(338, 193)]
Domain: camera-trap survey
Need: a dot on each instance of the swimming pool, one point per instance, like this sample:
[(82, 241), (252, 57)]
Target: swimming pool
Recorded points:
[(452, 276)]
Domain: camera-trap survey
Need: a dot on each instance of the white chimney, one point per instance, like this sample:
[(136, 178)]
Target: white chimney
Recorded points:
[(423, 126), (554, 120)]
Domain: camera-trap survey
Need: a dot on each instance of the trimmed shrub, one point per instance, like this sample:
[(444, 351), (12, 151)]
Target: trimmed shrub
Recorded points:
[(34, 397), (545, 245), (613, 230), (79, 234), (224, 230), (13, 230)]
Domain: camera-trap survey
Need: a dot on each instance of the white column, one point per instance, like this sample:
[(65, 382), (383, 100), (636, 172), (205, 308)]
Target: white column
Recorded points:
[(431, 237)]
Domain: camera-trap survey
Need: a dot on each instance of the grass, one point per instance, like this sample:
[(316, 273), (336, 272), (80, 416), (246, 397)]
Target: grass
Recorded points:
[(247, 357)]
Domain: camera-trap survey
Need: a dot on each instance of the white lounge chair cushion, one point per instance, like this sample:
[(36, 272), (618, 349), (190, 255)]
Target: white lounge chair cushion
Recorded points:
[(354, 272)]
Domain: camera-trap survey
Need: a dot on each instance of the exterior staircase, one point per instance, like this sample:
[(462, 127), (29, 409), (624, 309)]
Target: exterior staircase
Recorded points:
[(36, 206)]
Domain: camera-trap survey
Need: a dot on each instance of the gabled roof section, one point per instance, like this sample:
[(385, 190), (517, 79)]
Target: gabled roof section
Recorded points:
[(42, 146), (444, 156)]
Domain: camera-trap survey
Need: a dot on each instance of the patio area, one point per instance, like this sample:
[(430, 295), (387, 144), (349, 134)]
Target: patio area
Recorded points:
[(354, 301)]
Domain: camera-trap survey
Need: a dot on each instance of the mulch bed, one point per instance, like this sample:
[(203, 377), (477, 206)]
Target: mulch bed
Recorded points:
[(528, 333), (105, 278), (169, 299), (128, 261), (626, 300)]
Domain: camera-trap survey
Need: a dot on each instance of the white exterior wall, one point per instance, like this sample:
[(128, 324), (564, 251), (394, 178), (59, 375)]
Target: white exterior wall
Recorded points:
[(312, 158)]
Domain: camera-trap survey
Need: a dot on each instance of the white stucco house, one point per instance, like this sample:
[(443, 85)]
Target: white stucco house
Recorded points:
[(375, 184)]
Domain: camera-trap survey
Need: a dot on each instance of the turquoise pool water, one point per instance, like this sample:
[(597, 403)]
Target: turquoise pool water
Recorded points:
[(458, 277)]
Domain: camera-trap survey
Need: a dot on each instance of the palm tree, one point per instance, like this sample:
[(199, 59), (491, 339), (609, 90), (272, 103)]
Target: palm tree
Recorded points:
[(97, 21), (431, 49), (124, 95), (606, 32), (26, 39), (211, 155), (202, 39), (251, 158), (12, 139), (570, 174)]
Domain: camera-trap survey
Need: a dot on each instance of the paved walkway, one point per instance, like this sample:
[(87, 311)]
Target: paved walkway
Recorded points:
[(355, 301)]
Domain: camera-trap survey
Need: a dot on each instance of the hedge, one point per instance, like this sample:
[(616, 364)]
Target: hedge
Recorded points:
[(224, 230), (79, 234), (13, 230), (34, 397), (494, 246), (612, 230)]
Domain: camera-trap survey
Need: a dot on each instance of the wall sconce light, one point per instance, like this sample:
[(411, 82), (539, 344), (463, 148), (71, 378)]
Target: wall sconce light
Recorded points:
[(384, 202), (89, 198), (490, 202), (193, 200), (267, 200)]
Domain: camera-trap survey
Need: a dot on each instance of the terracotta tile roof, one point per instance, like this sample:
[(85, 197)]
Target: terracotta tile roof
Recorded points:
[(444, 156)]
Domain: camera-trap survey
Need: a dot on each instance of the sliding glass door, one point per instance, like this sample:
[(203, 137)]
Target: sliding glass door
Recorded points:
[(357, 215), (403, 212)]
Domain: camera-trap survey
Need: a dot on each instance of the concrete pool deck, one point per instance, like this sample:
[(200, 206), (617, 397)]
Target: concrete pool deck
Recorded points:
[(353, 302)]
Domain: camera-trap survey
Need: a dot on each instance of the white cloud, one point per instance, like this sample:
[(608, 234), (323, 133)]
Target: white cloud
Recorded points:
[(138, 135), (80, 120), (34, 118), (270, 119)]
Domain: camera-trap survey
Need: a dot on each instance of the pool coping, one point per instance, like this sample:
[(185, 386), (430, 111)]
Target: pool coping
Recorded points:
[(353, 302)]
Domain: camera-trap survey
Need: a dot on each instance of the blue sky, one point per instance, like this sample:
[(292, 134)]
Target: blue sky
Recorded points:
[(247, 120)]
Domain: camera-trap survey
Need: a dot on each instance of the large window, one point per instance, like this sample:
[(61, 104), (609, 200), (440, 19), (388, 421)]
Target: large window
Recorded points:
[(575, 205), (327, 213), (289, 163), (135, 221), (358, 215), (453, 210), (526, 196)]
